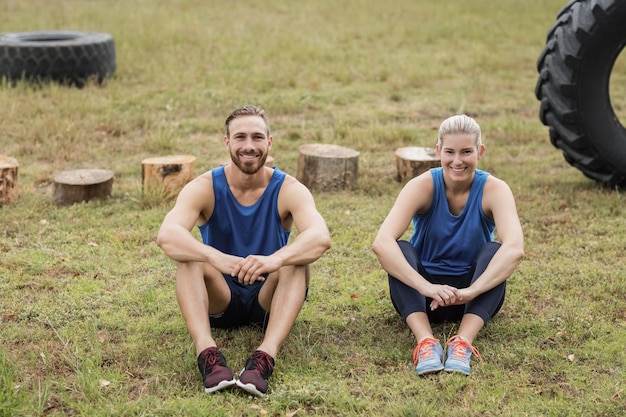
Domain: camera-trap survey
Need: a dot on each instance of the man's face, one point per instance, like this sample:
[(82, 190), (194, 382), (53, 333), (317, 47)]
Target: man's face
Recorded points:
[(249, 143)]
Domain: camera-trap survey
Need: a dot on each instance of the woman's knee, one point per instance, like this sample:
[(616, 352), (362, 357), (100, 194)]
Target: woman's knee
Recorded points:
[(409, 252), (489, 249)]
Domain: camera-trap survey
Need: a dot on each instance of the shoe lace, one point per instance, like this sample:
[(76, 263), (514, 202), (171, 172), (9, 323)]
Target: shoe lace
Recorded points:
[(459, 347), (424, 349), (210, 360), (262, 362)]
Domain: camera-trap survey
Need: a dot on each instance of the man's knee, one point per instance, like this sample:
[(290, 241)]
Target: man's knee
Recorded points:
[(188, 269), (293, 274), (290, 278)]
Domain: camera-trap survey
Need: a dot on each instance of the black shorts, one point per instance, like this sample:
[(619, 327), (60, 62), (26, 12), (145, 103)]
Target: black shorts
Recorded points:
[(244, 308)]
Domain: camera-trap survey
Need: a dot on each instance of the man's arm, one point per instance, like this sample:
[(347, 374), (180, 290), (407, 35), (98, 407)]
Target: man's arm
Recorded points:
[(313, 238), (195, 201)]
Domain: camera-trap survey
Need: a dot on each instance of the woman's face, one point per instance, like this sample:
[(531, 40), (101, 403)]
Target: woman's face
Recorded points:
[(459, 156)]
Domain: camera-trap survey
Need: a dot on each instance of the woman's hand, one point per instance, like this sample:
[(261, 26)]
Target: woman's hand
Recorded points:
[(442, 295), (463, 295)]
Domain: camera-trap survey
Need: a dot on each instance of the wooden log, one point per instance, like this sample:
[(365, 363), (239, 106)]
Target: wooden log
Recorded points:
[(8, 180), (79, 185), (411, 161), (324, 167), (167, 175)]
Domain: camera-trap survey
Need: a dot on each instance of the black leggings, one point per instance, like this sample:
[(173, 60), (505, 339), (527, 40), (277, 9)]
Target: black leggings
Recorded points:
[(407, 300)]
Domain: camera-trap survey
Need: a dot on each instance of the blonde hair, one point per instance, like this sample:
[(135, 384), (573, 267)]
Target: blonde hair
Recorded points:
[(459, 123)]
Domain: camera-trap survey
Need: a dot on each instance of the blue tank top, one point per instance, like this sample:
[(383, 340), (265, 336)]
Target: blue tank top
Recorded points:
[(241, 230), (447, 244)]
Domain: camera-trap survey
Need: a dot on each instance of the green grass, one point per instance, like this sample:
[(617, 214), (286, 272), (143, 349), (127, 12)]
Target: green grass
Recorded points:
[(89, 324)]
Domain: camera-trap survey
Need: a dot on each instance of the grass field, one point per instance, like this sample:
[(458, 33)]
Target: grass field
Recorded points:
[(89, 324)]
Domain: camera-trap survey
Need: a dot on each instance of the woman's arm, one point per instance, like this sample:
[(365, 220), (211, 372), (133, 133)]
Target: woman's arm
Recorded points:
[(415, 197)]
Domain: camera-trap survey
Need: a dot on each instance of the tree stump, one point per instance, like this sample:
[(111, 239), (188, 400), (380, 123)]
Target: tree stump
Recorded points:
[(8, 180), (411, 161), (327, 167), (82, 185), (167, 175)]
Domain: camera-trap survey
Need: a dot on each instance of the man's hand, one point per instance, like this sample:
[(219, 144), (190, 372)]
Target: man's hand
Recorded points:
[(252, 268), (225, 263)]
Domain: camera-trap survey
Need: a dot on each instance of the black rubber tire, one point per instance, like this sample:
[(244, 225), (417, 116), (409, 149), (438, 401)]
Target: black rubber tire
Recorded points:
[(68, 57), (573, 87)]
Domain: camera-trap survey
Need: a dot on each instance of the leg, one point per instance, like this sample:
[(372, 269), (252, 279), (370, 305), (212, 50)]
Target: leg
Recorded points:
[(420, 325), (470, 325), (195, 284), (477, 314), (482, 308), (411, 305), (282, 295), (408, 302)]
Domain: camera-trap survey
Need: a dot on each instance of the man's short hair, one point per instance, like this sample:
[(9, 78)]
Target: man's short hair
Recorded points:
[(247, 110)]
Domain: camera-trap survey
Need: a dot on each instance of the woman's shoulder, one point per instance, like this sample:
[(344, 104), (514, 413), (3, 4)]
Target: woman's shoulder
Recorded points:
[(496, 189)]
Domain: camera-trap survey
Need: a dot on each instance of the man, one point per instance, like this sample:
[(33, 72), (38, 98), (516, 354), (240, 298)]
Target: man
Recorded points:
[(243, 272), (451, 269)]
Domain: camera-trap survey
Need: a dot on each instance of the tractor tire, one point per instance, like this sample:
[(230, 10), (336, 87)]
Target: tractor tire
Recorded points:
[(573, 87), (67, 57)]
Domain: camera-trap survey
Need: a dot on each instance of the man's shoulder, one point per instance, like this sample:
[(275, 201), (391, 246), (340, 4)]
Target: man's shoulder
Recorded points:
[(292, 185), (293, 194), (203, 179), (198, 188)]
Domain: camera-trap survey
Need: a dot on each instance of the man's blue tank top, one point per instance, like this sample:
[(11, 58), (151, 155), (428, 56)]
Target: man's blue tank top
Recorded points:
[(241, 230), (447, 244)]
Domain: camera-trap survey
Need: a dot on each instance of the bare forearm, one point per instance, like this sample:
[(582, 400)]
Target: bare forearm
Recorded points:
[(181, 246), (394, 263), (501, 267), (305, 249)]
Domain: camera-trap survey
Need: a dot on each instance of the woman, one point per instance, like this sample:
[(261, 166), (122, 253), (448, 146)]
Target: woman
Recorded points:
[(451, 269)]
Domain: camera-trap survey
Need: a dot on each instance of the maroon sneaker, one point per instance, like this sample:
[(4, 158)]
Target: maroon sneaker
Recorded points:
[(216, 375), (253, 378)]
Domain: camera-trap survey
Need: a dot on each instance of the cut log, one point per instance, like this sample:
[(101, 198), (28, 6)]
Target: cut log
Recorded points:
[(8, 180), (323, 167), (167, 175), (79, 185), (411, 161)]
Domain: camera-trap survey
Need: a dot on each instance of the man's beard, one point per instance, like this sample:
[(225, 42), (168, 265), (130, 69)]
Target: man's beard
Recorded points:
[(248, 168)]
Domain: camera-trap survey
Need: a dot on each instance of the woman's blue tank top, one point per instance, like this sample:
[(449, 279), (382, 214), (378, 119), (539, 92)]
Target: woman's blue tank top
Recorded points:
[(447, 244), (241, 230)]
